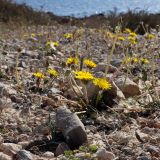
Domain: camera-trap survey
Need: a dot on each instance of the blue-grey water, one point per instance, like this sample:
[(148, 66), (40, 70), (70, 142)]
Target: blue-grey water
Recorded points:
[(80, 8)]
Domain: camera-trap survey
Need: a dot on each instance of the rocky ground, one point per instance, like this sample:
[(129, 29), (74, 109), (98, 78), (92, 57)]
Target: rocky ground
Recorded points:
[(125, 125)]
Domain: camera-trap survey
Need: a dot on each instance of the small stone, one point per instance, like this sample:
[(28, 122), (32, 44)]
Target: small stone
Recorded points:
[(1, 139), (116, 62), (102, 154), (48, 155), (153, 150), (22, 64), (24, 144), (80, 155), (61, 148), (143, 158), (23, 137)]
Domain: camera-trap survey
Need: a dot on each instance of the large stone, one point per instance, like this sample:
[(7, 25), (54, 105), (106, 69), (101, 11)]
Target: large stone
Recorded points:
[(10, 148), (4, 156), (71, 127), (23, 155), (127, 86), (102, 154)]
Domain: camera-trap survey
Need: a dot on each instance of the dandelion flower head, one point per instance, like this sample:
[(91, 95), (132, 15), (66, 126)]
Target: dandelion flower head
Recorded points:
[(102, 83), (39, 75), (89, 63), (83, 75)]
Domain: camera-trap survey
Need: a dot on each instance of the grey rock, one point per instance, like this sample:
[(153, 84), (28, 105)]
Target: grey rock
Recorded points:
[(48, 155), (22, 64), (143, 158), (153, 149), (55, 90), (61, 148), (71, 127), (102, 154), (116, 62), (23, 155)]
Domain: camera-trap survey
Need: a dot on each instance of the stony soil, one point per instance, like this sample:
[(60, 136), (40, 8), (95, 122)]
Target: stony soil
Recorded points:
[(127, 125)]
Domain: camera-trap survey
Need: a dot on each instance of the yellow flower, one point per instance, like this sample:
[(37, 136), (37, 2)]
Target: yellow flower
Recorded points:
[(144, 61), (56, 43), (33, 35), (52, 72), (121, 38), (133, 34), (102, 83), (150, 36), (68, 35), (49, 43), (134, 59), (127, 30), (39, 75), (89, 63), (83, 75), (132, 40), (72, 60), (127, 60)]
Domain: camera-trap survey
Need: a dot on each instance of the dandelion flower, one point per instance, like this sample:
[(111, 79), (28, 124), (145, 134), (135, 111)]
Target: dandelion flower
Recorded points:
[(33, 35), (102, 83), (127, 30), (133, 34), (144, 61), (89, 63), (52, 72), (121, 38), (68, 35), (132, 40), (50, 43), (39, 75), (134, 59), (72, 60), (56, 43), (127, 60), (150, 36), (83, 75)]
